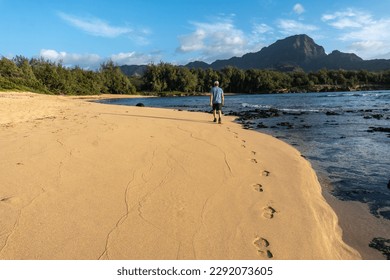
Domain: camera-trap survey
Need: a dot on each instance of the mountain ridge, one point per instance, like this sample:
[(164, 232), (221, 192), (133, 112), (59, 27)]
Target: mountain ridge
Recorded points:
[(292, 53)]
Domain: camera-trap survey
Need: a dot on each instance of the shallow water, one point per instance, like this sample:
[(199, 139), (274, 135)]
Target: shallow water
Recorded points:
[(332, 130)]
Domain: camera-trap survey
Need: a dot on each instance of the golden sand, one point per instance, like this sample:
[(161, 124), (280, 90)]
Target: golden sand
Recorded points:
[(82, 180)]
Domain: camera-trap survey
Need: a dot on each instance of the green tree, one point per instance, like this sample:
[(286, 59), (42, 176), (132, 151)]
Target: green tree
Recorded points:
[(114, 81), (237, 80), (46, 73), (186, 80), (8, 69), (151, 78)]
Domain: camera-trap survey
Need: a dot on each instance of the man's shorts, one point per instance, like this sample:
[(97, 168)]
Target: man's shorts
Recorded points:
[(217, 106)]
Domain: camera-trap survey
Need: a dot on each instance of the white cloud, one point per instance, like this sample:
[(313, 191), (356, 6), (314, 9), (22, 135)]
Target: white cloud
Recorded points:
[(95, 26), (98, 27), (93, 61), (346, 23), (363, 46), (367, 37), (133, 58), (383, 56), (292, 27), (347, 19), (259, 29), (193, 42), (259, 36), (221, 40), (371, 40), (298, 9), (221, 35), (71, 59), (377, 30)]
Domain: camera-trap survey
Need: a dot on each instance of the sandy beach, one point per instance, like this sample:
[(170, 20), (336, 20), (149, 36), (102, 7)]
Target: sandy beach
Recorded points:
[(82, 180)]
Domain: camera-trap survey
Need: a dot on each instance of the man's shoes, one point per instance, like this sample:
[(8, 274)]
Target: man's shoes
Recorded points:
[(219, 121), (215, 120)]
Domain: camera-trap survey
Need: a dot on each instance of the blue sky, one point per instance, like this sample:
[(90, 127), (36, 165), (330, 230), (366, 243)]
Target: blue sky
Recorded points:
[(88, 32)]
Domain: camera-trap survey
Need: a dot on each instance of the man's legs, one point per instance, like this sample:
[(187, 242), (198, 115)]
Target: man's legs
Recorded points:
[(214, 114), (215, 109)]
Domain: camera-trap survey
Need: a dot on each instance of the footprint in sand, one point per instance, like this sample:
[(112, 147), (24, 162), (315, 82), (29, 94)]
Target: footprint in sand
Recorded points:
[(243, 146), (4, 199), (258, 187), (9, 199), (253, 153), (268, 212), (254, 160), (262, 244), (266, 173)]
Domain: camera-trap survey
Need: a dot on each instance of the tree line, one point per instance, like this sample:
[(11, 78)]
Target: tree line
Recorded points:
[(166, 77), (44, 76), (40, 75)]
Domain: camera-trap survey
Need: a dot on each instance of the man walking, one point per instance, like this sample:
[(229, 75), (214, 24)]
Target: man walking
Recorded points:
[(217, 101)]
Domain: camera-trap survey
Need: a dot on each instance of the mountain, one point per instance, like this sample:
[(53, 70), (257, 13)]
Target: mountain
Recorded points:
[(298, 51), (294, 52), (133, 70), (198, 64)]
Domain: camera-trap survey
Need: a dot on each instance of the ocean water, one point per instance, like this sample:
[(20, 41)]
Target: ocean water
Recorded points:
[(339, 133)]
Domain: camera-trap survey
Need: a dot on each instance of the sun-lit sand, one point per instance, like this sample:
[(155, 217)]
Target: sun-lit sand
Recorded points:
[(82, 180)]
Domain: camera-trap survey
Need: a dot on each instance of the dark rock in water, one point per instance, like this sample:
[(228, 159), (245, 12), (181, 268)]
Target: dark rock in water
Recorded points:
[(261, 125), (330, 113), (255, 114), (379, 129), (382, 245), (388, 185), (286, 124), (140, 105), (232, 113), (377, 116), (295, 113)]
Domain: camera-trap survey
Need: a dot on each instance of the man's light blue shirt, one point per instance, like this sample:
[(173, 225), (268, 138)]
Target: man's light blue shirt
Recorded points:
[(217, 94)]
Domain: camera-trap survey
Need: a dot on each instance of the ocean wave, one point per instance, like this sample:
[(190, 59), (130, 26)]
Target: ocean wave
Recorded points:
[(292, 110), (301, 110), (328, 95), (247, 105)]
